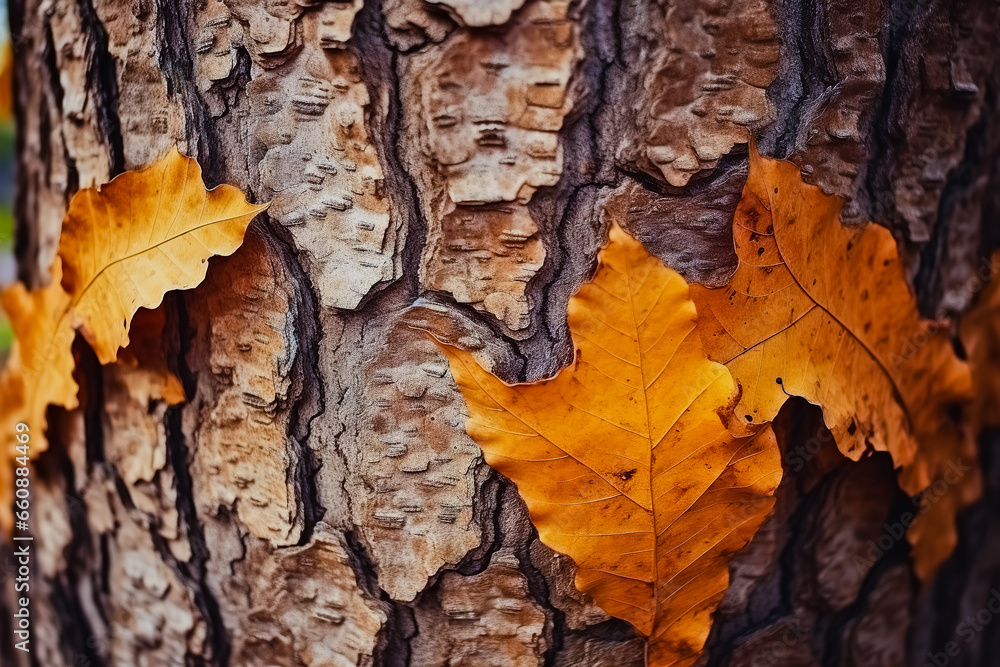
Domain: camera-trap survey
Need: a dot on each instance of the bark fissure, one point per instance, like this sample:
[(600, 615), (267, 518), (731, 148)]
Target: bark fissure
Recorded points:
[(982, 148), (308, 402), (176, 65), (103, 85), (178, 455)]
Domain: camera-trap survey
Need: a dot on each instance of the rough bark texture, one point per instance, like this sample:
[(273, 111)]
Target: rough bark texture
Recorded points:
[(449, 165)]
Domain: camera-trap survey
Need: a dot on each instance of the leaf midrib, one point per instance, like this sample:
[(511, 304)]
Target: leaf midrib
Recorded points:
[(74, 301), (649, 437), (150, 249), (892, 380)]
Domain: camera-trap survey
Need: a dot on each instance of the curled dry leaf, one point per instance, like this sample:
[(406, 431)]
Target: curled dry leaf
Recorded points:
[(124, 245), (823, 311), (127, 243), (625, 460)]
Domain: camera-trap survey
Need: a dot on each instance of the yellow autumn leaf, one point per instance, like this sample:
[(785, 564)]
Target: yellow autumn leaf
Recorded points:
[(11, 397), (625, 460), (40, 365), (39, 372), (127, 243), (124, 245), (821, 310)]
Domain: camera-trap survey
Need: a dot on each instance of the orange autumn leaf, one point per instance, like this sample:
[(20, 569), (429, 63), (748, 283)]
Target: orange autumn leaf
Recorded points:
[(127, 243), (981, 337), (124, 245), (11, 397), (823, 311), (39, 372), (39, 369), (6, 82), (625, 460)]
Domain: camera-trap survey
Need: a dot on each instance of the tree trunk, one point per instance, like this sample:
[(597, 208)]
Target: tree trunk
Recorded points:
[(451, 165)]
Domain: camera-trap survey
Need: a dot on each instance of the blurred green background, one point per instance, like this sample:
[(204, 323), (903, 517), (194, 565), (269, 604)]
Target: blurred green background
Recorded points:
[(7, 265)]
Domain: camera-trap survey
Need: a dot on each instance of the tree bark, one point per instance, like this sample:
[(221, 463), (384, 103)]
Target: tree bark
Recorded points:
[(452, 165)]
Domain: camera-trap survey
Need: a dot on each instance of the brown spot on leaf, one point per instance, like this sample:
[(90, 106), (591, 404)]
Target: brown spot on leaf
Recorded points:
[(624, 475)]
